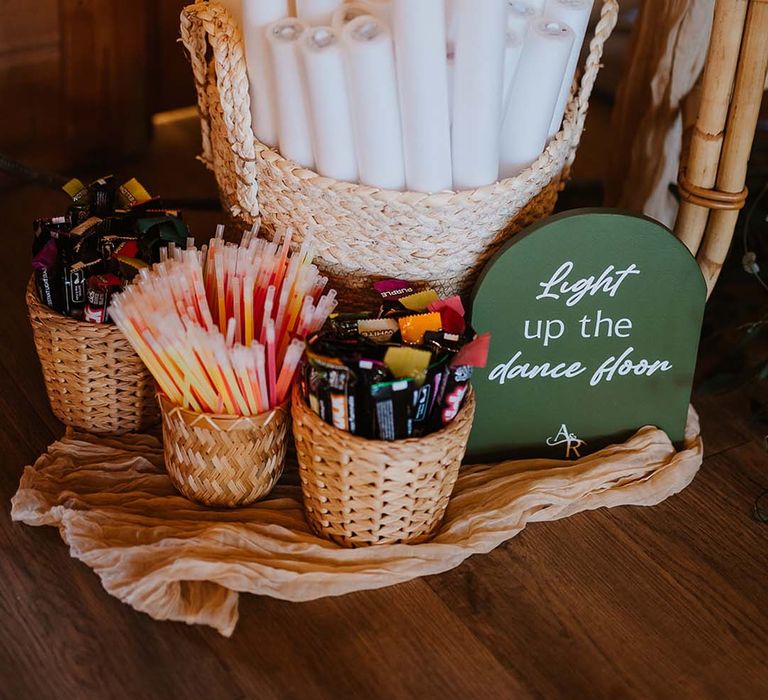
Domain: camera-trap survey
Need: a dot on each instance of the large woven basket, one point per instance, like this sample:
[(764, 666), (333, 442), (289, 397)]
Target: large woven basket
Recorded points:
[(360, 492), (94, 379), (361, 232), (224, 460)]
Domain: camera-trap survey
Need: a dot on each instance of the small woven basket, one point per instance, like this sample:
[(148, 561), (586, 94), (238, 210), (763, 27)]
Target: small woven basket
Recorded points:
[(360, 232), (94, 379), (360, 492), (224, 460)]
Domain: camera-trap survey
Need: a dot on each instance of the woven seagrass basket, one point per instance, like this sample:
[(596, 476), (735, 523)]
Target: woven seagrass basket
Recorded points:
[(360, 492), (224, 460), (94, 379), (362, 233)]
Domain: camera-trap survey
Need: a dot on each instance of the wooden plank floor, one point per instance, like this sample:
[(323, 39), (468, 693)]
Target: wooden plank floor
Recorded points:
[(660, 602)]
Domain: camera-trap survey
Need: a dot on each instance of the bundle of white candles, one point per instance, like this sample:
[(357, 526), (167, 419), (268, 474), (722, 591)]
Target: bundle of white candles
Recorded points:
[(222, 328), (421, 95)]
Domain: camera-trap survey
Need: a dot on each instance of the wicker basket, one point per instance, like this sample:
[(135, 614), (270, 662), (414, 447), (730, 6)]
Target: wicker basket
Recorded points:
[(361, 232), (362, 492), (94, 379), (224, 460)]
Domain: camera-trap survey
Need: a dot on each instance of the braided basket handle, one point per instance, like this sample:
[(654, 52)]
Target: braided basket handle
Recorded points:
[(576, 114), (205, 26)]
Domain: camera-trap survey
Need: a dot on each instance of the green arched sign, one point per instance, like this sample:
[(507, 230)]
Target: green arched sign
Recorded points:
[(595, 317)]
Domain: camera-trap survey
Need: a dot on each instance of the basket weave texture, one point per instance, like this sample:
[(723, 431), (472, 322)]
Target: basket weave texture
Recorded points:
[(361, 492), (224, 460), (442, 239), (94, 379)]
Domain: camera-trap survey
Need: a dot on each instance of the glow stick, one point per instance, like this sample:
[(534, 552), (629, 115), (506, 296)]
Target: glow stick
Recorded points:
[(290, 365), (268, 304), (259, 354), (195, 318), (250, 281), (271, 363), (238, 319)]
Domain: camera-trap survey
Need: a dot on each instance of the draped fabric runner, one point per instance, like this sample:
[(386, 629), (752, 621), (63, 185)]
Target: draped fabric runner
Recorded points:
[(163, 555)]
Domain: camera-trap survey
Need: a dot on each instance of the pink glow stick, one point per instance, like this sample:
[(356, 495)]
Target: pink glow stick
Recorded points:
[(231, 323), (290, 365), (238, 317), (267, 318)]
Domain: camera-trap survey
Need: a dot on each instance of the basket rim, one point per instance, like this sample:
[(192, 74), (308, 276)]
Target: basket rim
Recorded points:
[(357, 441), (221, 420), (436, 198), (46, 313)]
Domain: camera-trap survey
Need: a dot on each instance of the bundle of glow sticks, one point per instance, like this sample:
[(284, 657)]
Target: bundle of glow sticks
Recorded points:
[(222, 328)]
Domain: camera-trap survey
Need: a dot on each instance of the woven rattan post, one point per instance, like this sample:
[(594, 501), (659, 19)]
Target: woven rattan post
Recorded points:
[(717, 203)]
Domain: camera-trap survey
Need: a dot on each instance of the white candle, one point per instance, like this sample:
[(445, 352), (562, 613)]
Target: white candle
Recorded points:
[(477, 91), (519, 16), (537, 5), (294, 136), (450, 22), (513, 47), (257, 15), (575, 13), (420, 50), (329, 104), (450, 41), (314, 12), (372, 83), (533, 94)]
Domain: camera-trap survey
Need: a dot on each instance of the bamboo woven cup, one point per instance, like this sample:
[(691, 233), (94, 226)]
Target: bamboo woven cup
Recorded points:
[(441, 240), (361, 492), (94, 379), (224, 460)]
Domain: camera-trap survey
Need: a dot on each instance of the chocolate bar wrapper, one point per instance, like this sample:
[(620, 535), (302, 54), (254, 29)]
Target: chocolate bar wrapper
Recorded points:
[(129, 267), (119, 246), (379, 330), (80, 209), (132, 193), (345, 325), (453, 390), (158, 232), (394, 289), (330, 393), (47, 275), (46, 230), (100, 289), (425, 397), (443, 342), (391, 291), (393, 404), (74, 288), (369, 372), (48, 288), (84, 238), (75, 277), (103, 196), (346, 350)]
